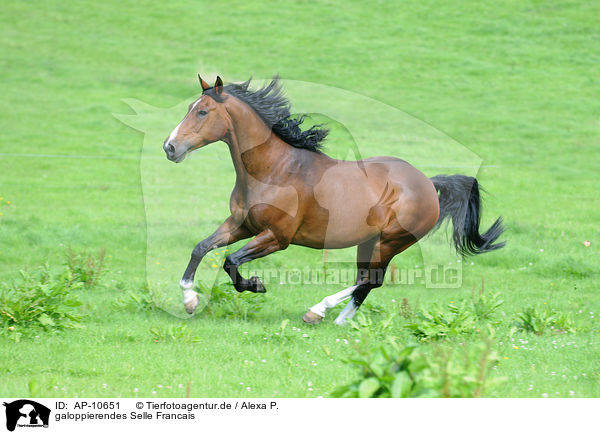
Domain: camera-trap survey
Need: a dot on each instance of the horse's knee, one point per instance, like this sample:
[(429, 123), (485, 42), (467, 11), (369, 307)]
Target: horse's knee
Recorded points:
[(199, 251), (196, 254)]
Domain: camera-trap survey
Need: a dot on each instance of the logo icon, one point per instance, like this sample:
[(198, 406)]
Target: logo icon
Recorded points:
[(26, 413)]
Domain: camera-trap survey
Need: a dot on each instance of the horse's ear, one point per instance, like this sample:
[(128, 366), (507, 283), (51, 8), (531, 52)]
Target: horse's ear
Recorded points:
[(219, 85), (203, 83)]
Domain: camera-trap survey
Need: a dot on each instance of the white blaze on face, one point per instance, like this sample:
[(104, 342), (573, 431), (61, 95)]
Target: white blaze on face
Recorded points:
[(174, 133)]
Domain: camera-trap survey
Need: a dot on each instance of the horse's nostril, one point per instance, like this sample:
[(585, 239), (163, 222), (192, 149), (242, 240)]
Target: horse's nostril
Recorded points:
[(171, 148)]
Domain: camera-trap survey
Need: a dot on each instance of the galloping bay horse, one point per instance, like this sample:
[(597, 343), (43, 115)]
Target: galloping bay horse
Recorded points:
[(289, 192)]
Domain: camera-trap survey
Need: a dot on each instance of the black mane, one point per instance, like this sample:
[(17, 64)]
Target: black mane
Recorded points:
[(270, 103)]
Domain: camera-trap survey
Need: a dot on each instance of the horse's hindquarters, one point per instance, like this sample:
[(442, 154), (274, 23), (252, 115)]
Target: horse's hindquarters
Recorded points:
[(356, 201)]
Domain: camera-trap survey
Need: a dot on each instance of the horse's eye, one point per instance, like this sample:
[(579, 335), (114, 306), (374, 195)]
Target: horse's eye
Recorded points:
[(201, 113)]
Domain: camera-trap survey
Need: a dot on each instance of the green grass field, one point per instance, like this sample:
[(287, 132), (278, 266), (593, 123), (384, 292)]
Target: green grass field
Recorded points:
[(514, 83)]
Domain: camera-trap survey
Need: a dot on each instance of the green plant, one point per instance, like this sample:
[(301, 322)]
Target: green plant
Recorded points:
[(564, 323), (42, 385), (486, 305), (369, 327), (226, 302), (463, 372), (405, 310), (538, 321), (439, 323), (282, 333), (372, 308), (174, 333), (402, 372), (85, 267), (388, 372), (39, 300), (141, 300)]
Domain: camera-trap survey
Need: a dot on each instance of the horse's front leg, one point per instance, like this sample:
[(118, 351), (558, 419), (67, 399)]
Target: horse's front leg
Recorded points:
[(264, 244), (228, 233)]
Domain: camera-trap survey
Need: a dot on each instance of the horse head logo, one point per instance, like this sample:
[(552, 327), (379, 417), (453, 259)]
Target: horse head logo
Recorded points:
[(26, 412)]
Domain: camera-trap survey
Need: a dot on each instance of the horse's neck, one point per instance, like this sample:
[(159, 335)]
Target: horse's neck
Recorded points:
[(255, 150)]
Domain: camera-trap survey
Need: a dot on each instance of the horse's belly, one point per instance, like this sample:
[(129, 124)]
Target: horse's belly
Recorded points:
[(330, 236), (348, 229), (334, 224)]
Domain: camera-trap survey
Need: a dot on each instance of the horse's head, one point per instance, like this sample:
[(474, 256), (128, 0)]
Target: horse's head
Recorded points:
[(205, 122)]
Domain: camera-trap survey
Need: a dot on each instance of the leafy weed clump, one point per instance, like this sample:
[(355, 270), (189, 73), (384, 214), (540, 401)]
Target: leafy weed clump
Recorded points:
[(369, 328), (464, 372), (439, 323), (539, 321), (85, 267), (226, 302), (388, 372), (407, 372), (485, 305), (142, 300), (39, 301)]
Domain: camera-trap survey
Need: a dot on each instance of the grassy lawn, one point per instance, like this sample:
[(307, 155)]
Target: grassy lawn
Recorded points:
[(513, 85)]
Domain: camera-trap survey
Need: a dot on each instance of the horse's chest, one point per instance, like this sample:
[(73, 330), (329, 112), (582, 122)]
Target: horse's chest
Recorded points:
[(261, 205)]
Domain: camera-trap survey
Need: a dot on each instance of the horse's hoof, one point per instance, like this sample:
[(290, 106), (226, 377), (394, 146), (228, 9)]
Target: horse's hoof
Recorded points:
[(312, 318), (190, 300), (257, 285)]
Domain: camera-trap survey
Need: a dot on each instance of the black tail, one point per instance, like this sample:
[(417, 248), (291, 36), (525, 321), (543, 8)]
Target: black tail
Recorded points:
[(459, 199)]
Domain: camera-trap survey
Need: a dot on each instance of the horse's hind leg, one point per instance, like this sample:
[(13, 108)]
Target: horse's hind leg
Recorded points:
[(363, 257), (371, 275)]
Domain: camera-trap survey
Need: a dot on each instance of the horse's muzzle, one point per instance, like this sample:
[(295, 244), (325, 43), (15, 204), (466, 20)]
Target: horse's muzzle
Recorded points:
[(169, 150), (171, 153)]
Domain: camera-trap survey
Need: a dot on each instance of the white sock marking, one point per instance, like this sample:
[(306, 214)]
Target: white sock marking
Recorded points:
[(332, 301), (348, 313)]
